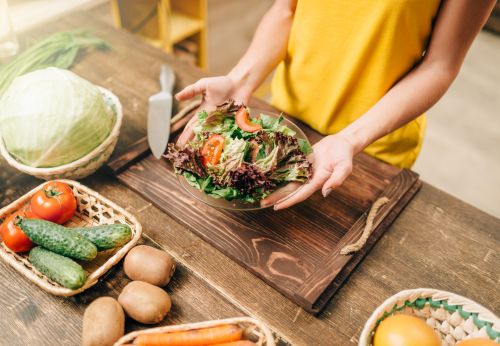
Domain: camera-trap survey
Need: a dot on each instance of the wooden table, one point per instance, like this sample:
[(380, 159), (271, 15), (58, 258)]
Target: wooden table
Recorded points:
[(438, 241)]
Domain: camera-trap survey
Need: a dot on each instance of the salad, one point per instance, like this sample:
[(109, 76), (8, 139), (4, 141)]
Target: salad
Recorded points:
[(235, 157)]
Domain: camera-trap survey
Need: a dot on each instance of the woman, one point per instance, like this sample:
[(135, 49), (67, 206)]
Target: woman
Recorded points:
[(362, 72)]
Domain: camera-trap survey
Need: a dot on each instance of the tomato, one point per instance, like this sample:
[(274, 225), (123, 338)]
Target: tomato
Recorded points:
[(12, 235), (405, 330), (477, 342), (55, 202), (244, 123), (212, 149)]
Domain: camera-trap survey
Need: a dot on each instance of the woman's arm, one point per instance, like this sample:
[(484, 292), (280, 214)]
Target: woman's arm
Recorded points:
[(268, 48), (457, 24)]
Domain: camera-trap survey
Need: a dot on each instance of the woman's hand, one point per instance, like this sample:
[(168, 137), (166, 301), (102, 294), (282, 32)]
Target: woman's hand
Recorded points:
[(214, 91), (332, 163)]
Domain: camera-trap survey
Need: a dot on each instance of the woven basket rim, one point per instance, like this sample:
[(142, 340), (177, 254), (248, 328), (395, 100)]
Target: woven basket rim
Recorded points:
[(469, 305), (269, 339), (53, 170), (9, 257)]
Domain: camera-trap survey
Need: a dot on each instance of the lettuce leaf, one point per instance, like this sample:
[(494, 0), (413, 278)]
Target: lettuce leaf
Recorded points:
[(252, 164)]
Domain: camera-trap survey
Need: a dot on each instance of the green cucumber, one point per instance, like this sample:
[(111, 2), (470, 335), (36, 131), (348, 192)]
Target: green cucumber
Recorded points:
[(106, 237), (60, 269), (59, 239)]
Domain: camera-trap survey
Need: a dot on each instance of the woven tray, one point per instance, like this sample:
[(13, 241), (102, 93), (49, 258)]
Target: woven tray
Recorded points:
[(93, 209), (255, 330), (453, 317)]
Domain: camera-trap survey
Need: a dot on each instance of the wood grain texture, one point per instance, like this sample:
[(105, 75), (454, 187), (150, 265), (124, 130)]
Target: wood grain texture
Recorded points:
[(437, 241), (296, 251), (34, 310)]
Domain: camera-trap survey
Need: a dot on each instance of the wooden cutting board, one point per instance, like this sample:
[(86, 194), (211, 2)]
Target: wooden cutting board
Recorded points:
[(296, 251)]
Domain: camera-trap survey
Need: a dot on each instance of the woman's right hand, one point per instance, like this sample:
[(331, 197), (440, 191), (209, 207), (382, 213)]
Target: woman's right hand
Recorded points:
[(214, 91)]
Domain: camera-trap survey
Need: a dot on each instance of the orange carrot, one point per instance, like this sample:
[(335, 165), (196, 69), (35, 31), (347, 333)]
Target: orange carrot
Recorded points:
[(237, 343), (198, 337)]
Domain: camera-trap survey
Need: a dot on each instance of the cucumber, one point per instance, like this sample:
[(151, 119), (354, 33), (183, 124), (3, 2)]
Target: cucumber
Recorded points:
[(59, 239), (106, 237), (60, 269)]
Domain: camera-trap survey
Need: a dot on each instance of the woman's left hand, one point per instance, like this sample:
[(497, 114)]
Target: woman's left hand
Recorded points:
[(332, 164)]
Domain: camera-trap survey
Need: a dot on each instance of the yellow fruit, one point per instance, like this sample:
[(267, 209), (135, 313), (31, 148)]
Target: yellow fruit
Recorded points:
[(477, 342), (405, 330)]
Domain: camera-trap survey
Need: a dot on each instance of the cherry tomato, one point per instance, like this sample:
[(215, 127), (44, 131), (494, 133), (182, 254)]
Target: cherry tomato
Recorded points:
[(244, 123), (212, 149), (55, 202), (12, 235)]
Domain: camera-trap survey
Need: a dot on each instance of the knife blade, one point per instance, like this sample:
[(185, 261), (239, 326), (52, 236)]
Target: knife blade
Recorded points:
[(160, 113)]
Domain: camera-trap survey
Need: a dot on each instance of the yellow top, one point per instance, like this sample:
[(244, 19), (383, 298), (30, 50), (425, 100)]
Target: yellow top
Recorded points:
[(344, 55)]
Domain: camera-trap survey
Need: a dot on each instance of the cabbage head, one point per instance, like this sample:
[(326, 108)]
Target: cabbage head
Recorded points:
[(52, 117)]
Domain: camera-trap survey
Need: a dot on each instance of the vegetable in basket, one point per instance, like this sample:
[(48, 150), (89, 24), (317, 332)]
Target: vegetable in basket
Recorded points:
[(12, 234), (238, 158), (55, 202), (53, 117), (58, 268), (59, 239), (405, 330), (196, 337)]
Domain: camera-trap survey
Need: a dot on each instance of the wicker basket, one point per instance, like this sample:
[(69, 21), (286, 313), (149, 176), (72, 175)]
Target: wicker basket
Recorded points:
[(255, 330), (84, 166), (93, 209), (453, 317)]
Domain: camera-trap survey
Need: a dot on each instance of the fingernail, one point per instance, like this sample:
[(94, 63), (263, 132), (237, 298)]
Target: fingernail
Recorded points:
[(327, 192), (276, 207)]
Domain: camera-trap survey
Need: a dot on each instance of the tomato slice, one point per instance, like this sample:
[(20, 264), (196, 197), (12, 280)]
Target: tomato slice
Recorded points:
[(12, 235), (244, 123), (212, 150)]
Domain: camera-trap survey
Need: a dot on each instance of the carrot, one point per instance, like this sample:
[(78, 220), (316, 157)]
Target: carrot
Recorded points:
[(237, 343), (198, 337)]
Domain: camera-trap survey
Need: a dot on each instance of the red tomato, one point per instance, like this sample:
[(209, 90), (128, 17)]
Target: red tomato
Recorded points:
[(12, 235), (55, 202), (212, 149), (244, 123)]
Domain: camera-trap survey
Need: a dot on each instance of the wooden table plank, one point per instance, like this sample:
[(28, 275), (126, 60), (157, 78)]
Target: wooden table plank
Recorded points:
[(410, 255), (438, 241)]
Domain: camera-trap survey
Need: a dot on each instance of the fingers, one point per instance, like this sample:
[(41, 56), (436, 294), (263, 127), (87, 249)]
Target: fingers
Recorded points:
[(340, 173), (188, 133), (305, 191), (280, 194), (190, 91)]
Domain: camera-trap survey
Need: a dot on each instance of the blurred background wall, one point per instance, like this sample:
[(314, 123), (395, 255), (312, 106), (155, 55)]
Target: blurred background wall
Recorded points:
[(461, 153)]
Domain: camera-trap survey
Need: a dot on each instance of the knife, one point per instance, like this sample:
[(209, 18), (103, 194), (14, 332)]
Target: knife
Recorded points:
[(160, 113)]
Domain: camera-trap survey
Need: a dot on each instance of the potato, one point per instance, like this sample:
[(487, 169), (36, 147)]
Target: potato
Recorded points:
[(148, 264), (144, 302), (103, 322)]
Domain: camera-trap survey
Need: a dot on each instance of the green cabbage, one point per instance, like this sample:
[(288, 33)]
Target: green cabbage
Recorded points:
[(52, 117)]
